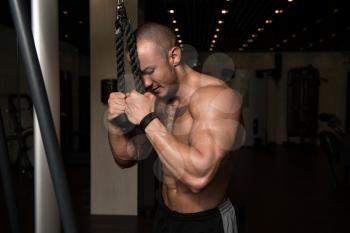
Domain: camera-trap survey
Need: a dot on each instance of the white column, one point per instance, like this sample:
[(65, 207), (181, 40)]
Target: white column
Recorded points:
[(45, 32), (113, 190)]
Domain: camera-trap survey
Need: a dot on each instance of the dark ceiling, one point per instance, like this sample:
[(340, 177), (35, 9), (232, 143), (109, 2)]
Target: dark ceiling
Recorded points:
[(310, 25), (303, 25)]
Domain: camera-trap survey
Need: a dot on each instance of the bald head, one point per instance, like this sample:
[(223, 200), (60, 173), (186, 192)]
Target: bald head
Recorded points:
[(158, 34)]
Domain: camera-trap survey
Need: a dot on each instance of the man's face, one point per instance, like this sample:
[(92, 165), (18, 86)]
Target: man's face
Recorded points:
[(158, 74)]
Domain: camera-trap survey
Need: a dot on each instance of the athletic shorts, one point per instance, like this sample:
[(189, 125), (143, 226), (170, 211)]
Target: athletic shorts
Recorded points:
[(221, 219)]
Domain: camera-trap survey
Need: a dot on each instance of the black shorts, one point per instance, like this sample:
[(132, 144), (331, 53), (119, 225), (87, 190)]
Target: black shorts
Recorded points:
[(221, 219)]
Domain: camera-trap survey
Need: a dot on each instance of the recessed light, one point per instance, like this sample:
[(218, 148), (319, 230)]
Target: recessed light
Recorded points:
[(311, 44), (321, 40), (215, 36), (174, 21), (290, 0), (65, 12), (285, 41), (171, 11), (334, 35), (211, 45), (220, 22), (278, 11), (81, 22), (268, 21), (305, 29), (224, 12), (218, 29), (293, 35), (336, 10), (213, 41), (180, 41), (244, 45), (66, 36), (178, 36), (254, 35), (271, 49), (250, 40), (278, 45), (176, 29), (241, 49), (260, 29), (211, 49)]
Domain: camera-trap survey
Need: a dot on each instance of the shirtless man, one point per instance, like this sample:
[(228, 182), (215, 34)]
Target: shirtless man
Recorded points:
[(198, 119)]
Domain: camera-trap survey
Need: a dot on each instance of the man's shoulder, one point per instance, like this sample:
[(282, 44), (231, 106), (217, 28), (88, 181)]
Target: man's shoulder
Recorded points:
[(216, 96)]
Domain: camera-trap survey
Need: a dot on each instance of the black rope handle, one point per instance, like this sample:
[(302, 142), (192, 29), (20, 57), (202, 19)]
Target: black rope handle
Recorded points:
[(124, 29)]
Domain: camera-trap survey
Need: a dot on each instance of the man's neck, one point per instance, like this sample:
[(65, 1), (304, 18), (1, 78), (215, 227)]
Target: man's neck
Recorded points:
[(187, 85)]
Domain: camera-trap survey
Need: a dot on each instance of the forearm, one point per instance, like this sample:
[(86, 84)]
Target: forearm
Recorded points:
[(122, 150)]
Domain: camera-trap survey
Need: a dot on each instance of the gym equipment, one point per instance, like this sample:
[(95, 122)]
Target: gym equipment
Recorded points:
[(302, 104), (41, 104), (5, 173), (21, 133), (124, 29), (335, 144)]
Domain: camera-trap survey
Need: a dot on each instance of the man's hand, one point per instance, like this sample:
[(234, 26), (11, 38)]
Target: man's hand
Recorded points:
[(116, 105), (138, 106)]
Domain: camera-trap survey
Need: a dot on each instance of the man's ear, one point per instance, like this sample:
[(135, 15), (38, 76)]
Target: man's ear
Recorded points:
[(175, 56)]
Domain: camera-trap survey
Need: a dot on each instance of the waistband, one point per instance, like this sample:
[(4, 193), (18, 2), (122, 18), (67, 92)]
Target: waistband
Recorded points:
[(210, 213)]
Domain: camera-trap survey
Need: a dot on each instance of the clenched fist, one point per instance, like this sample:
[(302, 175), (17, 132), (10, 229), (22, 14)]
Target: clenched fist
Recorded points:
[(116, 105)]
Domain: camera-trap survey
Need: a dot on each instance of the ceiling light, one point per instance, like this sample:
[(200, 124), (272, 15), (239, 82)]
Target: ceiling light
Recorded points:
[(268, 21), (334, 35), (244, 45), (180, 41), (305, 29), (336, 10), (241, 49), (211, 45), (311, 44), (318, 21), (260, 29), (321, 40), (278, 45), (174, 21), (254, 35), (290, 0), (211, 49), (65, 12), (178, 36), (215, 36), (285, 41), (220, 22), (294, 35), (278, 11), (80, 22), (250, 40), (271, 49), (176, 29), (301, 49), (218, 29), (224, 12), (171, 11), (213, 41), (348, 28), (66, 36)]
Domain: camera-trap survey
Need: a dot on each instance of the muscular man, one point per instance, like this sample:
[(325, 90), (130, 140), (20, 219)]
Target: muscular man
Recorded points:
[(193, 135)]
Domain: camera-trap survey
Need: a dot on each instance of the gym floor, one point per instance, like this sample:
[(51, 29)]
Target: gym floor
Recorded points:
[(282, 190)]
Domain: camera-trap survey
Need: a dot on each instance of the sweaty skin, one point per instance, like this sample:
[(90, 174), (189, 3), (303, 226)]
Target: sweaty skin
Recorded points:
[(194, 135)]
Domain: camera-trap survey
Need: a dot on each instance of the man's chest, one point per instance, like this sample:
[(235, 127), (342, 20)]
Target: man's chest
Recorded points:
[(177, 120)]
